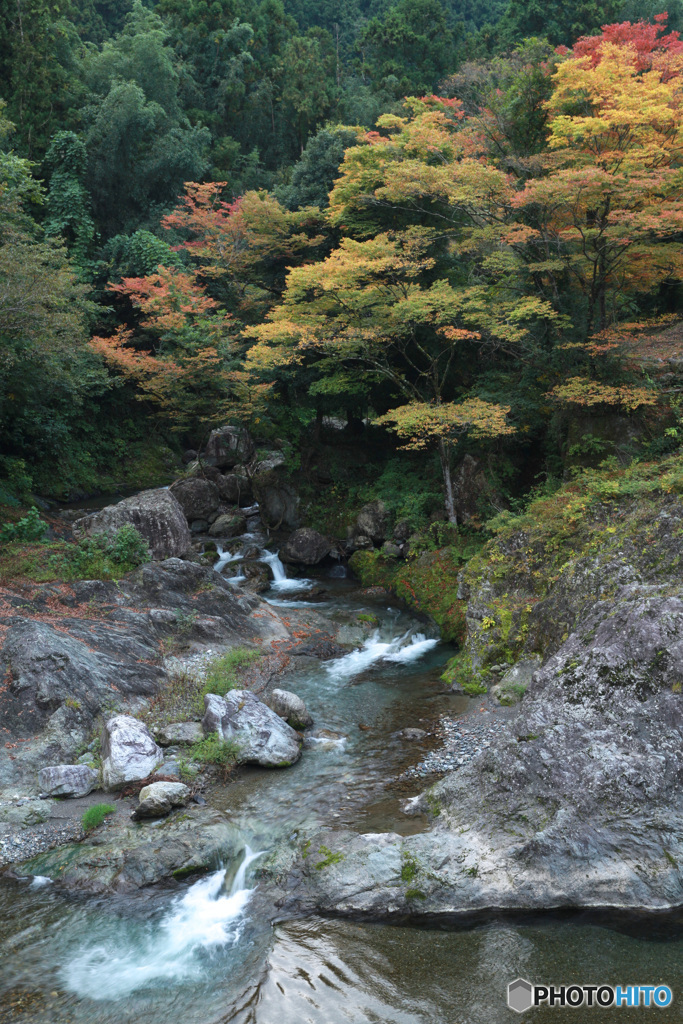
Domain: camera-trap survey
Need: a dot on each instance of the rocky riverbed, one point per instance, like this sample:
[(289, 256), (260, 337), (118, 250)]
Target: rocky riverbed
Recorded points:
[(557, 782), (463, 738)]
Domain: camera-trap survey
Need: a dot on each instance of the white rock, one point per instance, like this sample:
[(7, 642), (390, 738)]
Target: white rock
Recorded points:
[(290, 707), (160, 798), (180, 732), (67, 780), (263, 737), (128, 752)]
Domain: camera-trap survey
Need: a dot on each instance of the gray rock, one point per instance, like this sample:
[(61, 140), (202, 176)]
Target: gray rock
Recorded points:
[(106, 656), (197, 497), (290, 707), (258, 576), (577, 803), (159, 799), (227, 446), (277, 498), (124, 858), (234, 488), (270, 460), (373, 521), (26, 813), (359, 541), (67, 780), (305, 546), (128, 752), (229, 525), (156, 515), (215, 709), (262, 736), (60, 681), (515, 681), (184, 733), (410, 734), (402, 531)]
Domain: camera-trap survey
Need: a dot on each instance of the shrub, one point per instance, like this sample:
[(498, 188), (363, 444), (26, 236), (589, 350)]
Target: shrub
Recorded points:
[(30, 528), (222, 672), (94, 816), (212, 750), (106, 556)]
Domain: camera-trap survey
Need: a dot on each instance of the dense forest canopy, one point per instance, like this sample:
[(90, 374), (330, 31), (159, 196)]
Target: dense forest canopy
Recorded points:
[(453, 219)]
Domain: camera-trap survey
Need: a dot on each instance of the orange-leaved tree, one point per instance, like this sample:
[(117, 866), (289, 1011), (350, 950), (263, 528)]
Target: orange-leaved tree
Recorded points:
[(605, 220), (184, 357), (244, 247)]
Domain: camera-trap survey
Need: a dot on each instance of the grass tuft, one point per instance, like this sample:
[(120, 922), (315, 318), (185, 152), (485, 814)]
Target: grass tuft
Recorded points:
[(94, 816)]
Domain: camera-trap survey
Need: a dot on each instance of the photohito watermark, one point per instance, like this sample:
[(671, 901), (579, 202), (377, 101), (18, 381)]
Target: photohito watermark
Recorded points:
[(522, 995)]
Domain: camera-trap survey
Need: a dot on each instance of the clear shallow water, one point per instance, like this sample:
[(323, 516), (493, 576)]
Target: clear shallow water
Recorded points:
[(205, 952)]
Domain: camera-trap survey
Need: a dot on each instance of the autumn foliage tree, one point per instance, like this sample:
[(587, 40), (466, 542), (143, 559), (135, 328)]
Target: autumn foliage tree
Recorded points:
[(422, 292), (183, 354), (604, 221), (243, 247)]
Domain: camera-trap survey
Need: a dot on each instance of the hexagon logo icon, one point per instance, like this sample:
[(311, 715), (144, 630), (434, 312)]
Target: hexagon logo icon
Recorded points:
[(520, 995)]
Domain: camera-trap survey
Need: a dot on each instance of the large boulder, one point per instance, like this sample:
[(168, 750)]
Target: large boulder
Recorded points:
[(156, 515), (257, 576), (234, 488), (262, 736), (278, 500), (373, 522), (67, 780), (232, 524), (197, 497), (228, 446), (60, 677), (124, 859), (128, 752), (160, 798), (290, 707), (305, 546)]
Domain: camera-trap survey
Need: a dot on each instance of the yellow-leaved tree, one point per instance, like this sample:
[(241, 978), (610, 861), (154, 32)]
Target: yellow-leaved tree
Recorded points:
[(419, 289)]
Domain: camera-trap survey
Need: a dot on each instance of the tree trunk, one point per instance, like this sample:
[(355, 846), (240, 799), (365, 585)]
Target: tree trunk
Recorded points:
[(449, 497)]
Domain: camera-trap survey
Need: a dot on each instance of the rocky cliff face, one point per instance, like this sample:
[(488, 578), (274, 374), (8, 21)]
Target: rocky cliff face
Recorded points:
[(579, 802), (73, 652)]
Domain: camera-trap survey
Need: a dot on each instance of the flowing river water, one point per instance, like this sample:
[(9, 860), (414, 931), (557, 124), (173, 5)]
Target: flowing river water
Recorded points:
[(207, 951)]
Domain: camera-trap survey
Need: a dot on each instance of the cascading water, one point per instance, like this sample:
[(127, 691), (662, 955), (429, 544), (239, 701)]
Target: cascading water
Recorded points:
[(225, 558), (175, 948), (401, 650), (280, 580)]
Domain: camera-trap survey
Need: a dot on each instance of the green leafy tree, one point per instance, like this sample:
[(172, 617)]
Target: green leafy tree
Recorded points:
[(558, 21), (68, 201), (409, 48), (307, 82), (140, 146), (47, 372), (313, 176), (38, 69)]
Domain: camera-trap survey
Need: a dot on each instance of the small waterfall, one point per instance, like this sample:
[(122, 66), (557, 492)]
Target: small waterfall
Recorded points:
[(239, 881), (402, 650), (280, 581), (225, 557), (130, 957), (272, 560)]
